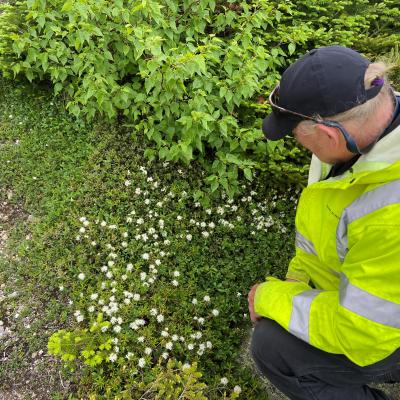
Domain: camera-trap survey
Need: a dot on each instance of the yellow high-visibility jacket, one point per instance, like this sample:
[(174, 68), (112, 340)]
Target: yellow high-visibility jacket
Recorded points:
[(348, 246)]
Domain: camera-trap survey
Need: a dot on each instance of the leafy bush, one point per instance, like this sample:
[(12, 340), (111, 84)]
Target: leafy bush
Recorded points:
[(190, 75)]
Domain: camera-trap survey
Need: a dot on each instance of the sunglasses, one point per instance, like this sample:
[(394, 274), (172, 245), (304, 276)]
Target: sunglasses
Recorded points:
[(350, 143)]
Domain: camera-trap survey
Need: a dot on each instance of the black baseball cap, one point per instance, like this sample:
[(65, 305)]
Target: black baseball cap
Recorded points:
[(325, 81)]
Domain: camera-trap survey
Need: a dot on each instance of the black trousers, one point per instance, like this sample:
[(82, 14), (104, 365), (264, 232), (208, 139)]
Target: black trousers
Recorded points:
[(303, 372)]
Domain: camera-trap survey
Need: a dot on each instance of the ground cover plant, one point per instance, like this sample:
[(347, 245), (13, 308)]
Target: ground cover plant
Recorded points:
[(121, 273)]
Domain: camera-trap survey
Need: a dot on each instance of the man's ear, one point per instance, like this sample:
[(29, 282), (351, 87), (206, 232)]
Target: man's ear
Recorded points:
[(330, 135)]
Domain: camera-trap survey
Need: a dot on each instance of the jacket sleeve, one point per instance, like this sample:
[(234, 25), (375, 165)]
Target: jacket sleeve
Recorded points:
[(361, 319)]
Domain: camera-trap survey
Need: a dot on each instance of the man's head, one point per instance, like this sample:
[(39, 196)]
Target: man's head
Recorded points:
[(335, 102)]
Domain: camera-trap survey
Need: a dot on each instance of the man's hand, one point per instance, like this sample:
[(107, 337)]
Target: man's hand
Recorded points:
[(253, 315)]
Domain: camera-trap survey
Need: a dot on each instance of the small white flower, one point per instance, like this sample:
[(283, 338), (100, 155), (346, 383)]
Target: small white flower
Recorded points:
[(109, 274), (215, 312), (179, 217), (189, 237), (158, 262), (160, 318), (185, 366), (140, 339), (148, 350), (164, 334), (190, 346), (200, 320), (224, 381), (91, 309), (129, 267), (82, 230), (154, 311), (176, 273), (117, 329), (80, 318), (129, 355), (194, 301), (133, 326), (237, 389), (140, 221), (143, 276), (141, 362), (206, 298), (61, 288), (127, 183), (169, 345), (124, 277), (124, 244), (93, 243), (209, 344), (174, 338), (129, 220), (136, 297), (164, 355), (113, 357), (175, 283), (205, 234), (103, 223), (81, 276), (112, 227), (145, 256)]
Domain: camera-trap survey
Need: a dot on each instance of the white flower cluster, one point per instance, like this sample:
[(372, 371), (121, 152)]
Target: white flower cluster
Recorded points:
[(137, 258)]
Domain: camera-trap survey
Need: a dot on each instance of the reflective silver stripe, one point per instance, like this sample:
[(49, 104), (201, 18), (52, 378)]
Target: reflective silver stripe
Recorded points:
[(300, 316), (367, 305), (305, 244), (367, 203)]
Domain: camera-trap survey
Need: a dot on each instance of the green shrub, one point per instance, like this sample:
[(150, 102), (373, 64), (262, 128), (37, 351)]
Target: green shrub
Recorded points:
[(191, 75)]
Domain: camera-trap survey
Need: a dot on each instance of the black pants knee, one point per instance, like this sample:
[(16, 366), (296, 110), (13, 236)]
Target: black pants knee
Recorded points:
[(304, 372)]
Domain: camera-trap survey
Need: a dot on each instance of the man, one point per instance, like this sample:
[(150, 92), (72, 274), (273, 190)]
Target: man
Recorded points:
[(334, 325)]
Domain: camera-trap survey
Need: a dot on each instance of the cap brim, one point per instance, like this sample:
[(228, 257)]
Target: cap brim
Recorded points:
[(275, 127)]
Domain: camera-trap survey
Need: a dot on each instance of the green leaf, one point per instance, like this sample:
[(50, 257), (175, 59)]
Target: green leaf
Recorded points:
[(248, 174)]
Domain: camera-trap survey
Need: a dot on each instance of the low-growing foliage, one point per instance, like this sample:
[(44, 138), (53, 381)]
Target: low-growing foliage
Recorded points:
[(136, 275)]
